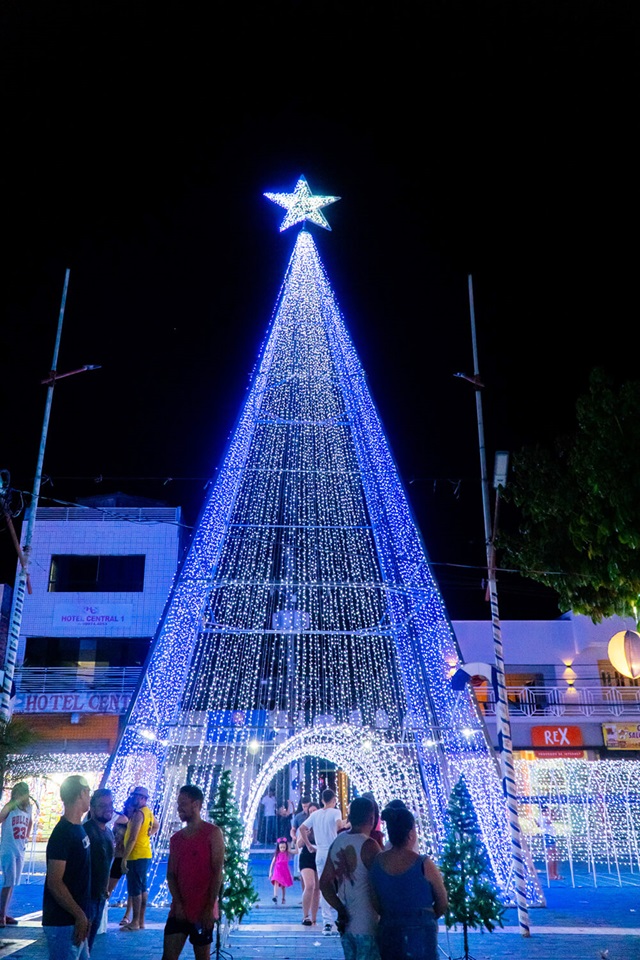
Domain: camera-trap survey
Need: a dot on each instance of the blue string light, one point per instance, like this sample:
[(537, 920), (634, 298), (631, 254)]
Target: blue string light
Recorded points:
[(306, 614)]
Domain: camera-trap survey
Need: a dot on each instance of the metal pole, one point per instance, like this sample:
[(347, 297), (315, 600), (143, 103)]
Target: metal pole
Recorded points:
[(23, 585), (502, 705)]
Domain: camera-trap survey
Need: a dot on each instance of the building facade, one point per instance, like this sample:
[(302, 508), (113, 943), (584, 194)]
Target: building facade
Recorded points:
[(101, 573), (566, 699)]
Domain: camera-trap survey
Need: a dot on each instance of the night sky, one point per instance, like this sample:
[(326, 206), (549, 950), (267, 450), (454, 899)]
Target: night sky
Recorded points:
[(483, 138)]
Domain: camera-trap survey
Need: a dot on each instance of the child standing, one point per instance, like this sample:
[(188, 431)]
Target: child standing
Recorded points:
[(279, 869)]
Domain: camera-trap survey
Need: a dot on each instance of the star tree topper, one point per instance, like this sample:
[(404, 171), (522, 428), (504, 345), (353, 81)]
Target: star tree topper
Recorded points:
[(301, 205)]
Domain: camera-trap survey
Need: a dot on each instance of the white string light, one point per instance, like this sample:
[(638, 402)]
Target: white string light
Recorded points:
[(307, 604), (594, 806)]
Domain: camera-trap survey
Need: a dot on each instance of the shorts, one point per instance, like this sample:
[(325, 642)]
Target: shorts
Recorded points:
[(116, 868), (61, 945), (137, 876), (197, 936), (11, 865), (307, 859), (359, 946)]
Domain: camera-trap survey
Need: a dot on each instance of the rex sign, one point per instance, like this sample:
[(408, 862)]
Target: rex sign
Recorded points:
[(558, 740)]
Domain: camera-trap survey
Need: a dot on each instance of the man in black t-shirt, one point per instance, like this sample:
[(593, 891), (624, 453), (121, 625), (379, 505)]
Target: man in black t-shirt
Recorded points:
[(66, 903), (102, 851)]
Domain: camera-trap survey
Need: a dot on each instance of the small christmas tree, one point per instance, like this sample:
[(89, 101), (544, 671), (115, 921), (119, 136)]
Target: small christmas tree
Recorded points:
[(238, 892), (474, 900)]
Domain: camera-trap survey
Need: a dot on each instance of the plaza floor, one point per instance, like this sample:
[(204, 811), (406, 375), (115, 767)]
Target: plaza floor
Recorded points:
[(581, 922)]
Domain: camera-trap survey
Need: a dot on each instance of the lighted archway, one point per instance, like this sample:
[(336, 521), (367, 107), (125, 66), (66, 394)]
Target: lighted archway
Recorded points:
[(386, 769)]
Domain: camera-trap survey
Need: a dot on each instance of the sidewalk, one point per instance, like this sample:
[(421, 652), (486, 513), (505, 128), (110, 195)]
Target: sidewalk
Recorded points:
[(578, 923)]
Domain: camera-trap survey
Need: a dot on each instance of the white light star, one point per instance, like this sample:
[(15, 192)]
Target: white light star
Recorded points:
[(302, 205)]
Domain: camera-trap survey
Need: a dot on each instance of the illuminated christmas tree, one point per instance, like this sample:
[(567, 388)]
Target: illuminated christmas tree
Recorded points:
[(238, 893), (474, 900), (305, 623)]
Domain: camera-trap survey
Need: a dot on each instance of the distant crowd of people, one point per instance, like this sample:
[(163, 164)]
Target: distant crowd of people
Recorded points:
[(91, 848), (383, 898)]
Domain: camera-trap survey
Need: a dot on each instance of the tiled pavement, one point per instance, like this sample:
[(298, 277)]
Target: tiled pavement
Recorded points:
[(578, 923)]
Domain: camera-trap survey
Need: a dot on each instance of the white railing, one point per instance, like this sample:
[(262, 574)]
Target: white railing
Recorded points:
[(75, 679), (540, 701), (566, 701)]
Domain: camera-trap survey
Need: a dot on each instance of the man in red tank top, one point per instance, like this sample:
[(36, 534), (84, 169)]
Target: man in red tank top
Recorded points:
[(194, 878)]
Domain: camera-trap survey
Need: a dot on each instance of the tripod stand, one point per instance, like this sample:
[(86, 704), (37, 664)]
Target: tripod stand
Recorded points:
[(219, 953)]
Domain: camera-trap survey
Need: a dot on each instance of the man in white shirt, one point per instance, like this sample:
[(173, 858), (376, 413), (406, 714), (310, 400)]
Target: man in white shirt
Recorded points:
[(325, 824)]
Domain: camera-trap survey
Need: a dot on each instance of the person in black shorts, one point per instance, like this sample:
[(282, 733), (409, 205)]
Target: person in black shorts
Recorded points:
[(309, 874), (194, 878)]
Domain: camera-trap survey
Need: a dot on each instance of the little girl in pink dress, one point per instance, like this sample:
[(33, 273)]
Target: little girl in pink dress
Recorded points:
[(279, 869)]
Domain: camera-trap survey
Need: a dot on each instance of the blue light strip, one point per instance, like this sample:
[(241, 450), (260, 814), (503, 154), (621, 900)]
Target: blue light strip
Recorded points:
[(307, 599)]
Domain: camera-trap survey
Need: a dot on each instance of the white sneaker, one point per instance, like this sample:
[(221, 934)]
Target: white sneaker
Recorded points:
[(327, 930)]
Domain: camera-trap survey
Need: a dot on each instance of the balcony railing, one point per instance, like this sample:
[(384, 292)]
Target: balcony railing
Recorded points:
[(48, 680), (566, 701), (542, 701)]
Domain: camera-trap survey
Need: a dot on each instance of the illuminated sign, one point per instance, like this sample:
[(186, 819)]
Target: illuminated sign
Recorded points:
[(72, 702), (556, 736), (93, 615), (621, 736)]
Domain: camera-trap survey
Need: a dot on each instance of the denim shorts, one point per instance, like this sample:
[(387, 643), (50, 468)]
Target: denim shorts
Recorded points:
[(61, 945), (359, 946), (137, 876)]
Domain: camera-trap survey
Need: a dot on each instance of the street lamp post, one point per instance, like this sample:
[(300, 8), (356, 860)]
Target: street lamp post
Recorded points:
[(23, 585), (502, 705)]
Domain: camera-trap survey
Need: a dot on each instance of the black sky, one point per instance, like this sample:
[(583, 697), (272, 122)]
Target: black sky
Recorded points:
[(464, 137)]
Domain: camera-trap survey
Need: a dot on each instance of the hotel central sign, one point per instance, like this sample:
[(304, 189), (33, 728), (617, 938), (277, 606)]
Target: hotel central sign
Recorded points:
[(73, 615), (89, 702)]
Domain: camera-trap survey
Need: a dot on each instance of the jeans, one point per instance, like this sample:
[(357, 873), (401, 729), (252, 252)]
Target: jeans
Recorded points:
[(61, 945), (329, 915), (97, 909)]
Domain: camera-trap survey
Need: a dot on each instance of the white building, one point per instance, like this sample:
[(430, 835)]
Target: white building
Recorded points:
[(565, 697), (101, 573)]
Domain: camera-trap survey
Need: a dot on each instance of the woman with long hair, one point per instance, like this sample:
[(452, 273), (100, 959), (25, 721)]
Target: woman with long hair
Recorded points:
[(309, 875), (408, 893)]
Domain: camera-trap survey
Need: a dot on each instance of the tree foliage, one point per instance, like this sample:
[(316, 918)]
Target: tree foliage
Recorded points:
[(238, 892), (15, 735), (578, 506), (474, 899)]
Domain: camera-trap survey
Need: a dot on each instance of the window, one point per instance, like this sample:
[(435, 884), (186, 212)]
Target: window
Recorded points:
[(98, 651), (88, 574), (609, 676)]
